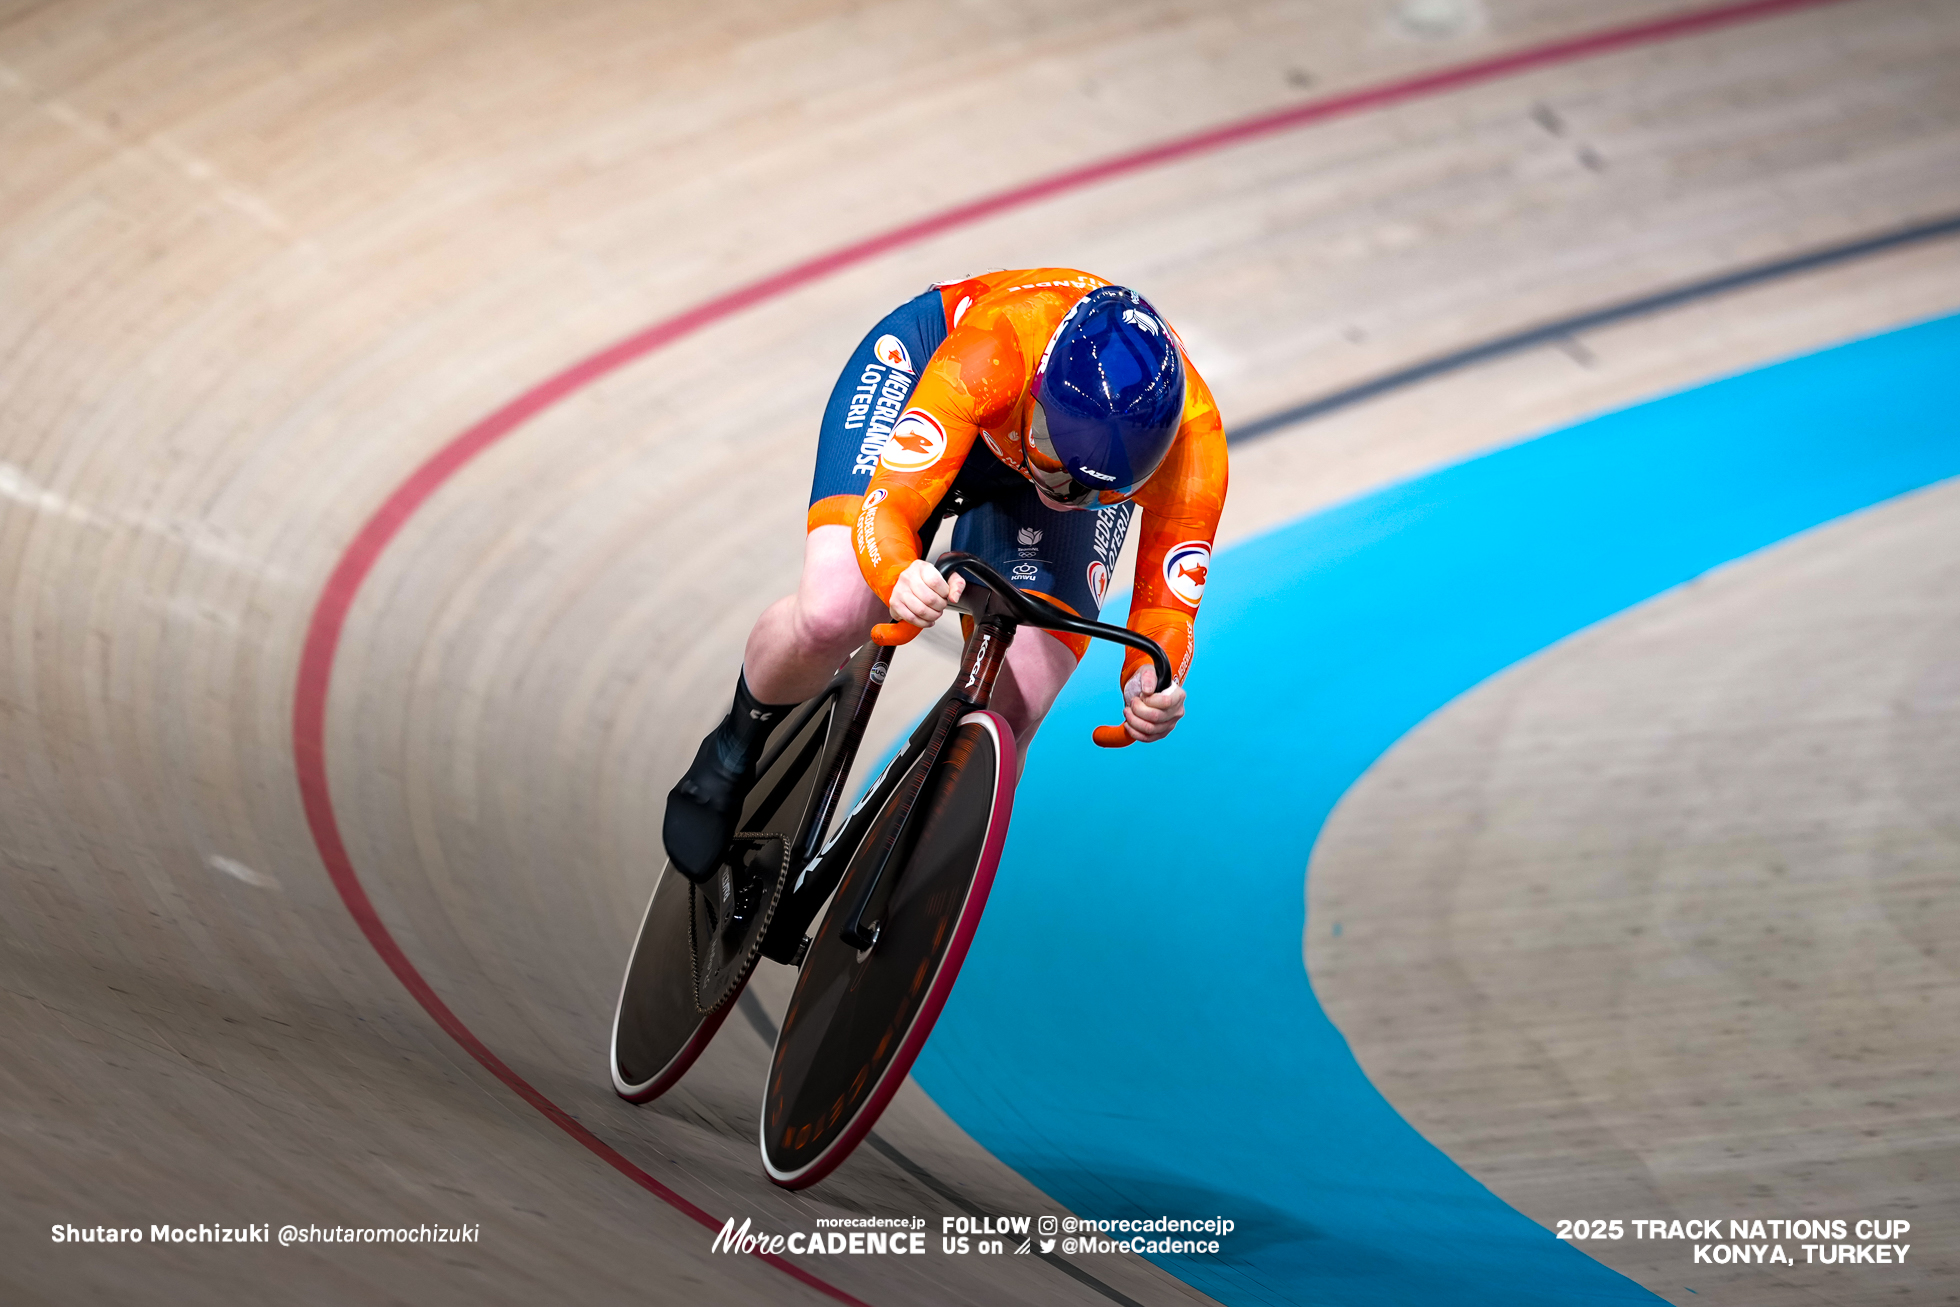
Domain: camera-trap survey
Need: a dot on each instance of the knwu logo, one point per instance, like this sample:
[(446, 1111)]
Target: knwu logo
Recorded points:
[(1185, 569), (915, 443)]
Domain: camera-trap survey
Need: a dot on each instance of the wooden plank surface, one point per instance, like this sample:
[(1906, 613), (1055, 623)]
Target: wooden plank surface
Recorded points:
[(258, 261)]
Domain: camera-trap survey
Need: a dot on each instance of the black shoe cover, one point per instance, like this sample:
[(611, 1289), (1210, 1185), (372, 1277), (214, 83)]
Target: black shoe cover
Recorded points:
[(702, 811)]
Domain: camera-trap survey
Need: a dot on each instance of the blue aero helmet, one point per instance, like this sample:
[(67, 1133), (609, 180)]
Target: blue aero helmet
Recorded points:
[(1108, 400)]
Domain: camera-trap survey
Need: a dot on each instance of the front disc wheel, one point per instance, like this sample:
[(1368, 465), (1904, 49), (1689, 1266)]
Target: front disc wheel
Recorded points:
[(858, 1018)]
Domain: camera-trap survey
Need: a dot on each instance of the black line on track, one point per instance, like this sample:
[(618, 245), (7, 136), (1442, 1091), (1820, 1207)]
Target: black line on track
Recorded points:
[(1565, 328), (751, 1008)]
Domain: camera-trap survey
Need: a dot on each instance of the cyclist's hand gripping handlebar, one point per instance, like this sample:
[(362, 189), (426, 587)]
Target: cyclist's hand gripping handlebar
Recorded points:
[(920, 594), (1031, 610)]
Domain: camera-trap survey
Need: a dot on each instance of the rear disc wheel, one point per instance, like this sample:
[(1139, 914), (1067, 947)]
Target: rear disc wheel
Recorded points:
[(698, 945)]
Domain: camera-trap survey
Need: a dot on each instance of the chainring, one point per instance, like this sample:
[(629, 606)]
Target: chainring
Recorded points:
[(728, 917)]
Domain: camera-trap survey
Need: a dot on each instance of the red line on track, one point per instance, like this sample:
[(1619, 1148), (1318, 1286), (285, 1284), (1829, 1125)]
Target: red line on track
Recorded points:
[(337, 598)]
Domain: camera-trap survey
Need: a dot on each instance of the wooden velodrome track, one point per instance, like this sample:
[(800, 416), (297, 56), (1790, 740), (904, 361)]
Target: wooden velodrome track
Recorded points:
[(259, 262)]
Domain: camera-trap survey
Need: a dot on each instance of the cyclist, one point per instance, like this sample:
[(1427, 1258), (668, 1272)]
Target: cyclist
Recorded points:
[(1087, 407)]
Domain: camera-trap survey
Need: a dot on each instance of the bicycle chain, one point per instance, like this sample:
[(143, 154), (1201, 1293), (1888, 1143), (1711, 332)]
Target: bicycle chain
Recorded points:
[(756, 931)]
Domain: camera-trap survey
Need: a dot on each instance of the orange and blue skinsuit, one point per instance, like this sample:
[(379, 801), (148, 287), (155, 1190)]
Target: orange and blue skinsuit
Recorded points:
[(974, 391)]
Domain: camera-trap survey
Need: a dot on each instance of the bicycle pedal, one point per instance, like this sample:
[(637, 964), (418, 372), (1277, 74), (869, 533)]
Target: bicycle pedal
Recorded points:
[(802, 951)]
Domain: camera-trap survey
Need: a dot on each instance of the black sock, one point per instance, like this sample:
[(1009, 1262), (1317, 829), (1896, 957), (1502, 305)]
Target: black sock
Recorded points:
[(742, 733)]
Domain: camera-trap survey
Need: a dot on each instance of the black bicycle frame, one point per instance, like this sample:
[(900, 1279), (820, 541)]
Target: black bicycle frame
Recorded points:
[(998, 610)]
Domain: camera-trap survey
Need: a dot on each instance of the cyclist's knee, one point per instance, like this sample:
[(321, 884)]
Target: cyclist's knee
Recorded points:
[(1038, 665), (830, 623), (835, 608)]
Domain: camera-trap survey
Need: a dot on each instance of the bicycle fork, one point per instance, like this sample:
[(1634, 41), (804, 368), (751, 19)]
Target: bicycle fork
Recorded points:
[(980, 665)]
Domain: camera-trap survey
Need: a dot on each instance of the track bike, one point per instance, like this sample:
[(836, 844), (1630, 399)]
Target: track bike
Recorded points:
[(906, 873)]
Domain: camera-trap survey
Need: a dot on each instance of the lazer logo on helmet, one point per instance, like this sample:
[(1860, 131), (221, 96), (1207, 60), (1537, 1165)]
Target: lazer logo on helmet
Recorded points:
[(1091, 472), (1185, 567), (916, 442)]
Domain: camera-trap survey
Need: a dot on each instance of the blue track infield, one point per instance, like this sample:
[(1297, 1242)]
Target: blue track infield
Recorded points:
[(1134, 1030)]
